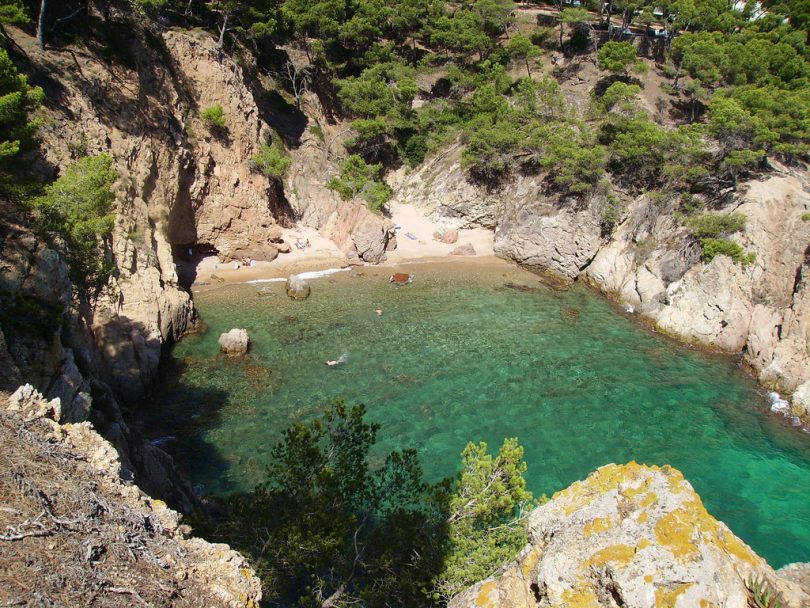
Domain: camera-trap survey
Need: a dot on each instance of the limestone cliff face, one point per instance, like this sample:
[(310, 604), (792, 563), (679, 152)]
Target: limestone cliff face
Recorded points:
[(635, 537), (651, 263), (178, 185), (360, 233), (75, 532)]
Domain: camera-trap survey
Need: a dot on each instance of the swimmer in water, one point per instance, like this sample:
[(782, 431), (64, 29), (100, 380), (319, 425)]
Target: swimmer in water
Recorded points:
[(342, 359)]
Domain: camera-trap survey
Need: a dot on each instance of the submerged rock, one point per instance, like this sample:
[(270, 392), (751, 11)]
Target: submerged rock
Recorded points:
[(297, 288), (465, 249), (631, 536), (234, 342)]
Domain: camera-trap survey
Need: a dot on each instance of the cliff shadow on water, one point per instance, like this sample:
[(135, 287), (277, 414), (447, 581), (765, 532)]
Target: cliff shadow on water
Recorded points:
[(183, 437)]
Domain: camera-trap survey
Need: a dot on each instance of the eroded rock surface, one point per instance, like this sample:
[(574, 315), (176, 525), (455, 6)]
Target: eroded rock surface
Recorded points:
[(631, 536)]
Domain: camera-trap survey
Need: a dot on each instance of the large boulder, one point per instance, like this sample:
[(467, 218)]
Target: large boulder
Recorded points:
[(448, 236), (235, 342), (297, 288), (547, 237), (800, 401), (630, 536)]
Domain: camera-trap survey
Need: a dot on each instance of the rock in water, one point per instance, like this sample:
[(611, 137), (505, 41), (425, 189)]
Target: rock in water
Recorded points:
[(235, 342), (632, 536), (466, 249), (297, 288), (400, 278)]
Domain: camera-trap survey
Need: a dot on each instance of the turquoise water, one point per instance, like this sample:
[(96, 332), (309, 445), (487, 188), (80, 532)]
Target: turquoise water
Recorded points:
[(459, 356)]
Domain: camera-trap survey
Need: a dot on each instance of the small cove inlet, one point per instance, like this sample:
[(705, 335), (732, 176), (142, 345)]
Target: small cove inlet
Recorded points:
[(479, 353)]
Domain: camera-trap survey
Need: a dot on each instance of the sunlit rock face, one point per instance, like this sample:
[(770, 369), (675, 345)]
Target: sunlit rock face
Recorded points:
[(630, 536)]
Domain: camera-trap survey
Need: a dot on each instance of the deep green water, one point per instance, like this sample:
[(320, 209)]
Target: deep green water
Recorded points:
[(458, 356)]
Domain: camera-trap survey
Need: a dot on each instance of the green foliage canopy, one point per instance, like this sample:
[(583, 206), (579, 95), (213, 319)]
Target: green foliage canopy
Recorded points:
[(616, 57), (78, 207), (17, 101), (272, 162)]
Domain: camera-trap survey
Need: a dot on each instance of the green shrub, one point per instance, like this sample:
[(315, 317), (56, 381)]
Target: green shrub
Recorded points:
[(214, 117), (806, 217), (484, 530), (272, 162), (712, 225), (17, 101), (712, 247), (416, 148), (78, 207), (317, 131), (616, 57), (358, 179)]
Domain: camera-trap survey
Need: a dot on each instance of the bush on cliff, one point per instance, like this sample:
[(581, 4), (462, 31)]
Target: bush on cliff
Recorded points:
[(78, 207), (214, 118), (271, 162), (485, 510), (17, 101), (335, 525), (358, 179)]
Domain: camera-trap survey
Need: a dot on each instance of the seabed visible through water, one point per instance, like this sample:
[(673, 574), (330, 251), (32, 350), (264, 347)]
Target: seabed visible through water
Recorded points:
[(467, 353)]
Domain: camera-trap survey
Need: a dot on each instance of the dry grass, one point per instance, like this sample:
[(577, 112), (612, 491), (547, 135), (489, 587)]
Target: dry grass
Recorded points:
[(66, 538)]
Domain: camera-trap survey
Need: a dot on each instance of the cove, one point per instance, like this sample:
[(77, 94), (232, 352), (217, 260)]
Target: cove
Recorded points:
[(479, 353)]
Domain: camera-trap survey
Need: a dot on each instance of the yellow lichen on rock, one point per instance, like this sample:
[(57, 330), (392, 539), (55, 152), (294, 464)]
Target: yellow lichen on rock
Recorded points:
[(600, 524), (614, 554), (581, 596), (604, 479), (674, 531), (641, 530), (735, 547), (483, 598), (530, 561), (665, 597)]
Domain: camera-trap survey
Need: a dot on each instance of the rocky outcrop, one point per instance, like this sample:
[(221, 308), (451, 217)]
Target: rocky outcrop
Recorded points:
[(364, 236), (297, 288), (631, 536), (62, 347), (359, 232), (235, 342), (75, 530), (650, 262), (448, 236)]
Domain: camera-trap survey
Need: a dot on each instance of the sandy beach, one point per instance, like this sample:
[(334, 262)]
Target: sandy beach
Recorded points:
[(323, 254)]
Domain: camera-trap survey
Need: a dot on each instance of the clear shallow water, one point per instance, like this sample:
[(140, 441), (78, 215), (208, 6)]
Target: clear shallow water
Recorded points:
[(458, 356)]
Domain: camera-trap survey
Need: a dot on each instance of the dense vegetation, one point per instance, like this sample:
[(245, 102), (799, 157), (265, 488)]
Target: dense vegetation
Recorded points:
[(738, 76), (329, 528)]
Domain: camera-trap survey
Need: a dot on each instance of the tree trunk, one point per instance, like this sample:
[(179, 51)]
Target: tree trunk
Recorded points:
[(224, 29), (41, 24)]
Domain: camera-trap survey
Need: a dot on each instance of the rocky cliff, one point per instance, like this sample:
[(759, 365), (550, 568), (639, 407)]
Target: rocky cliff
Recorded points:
[(633, 537), (73, 532), (650, 262)]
